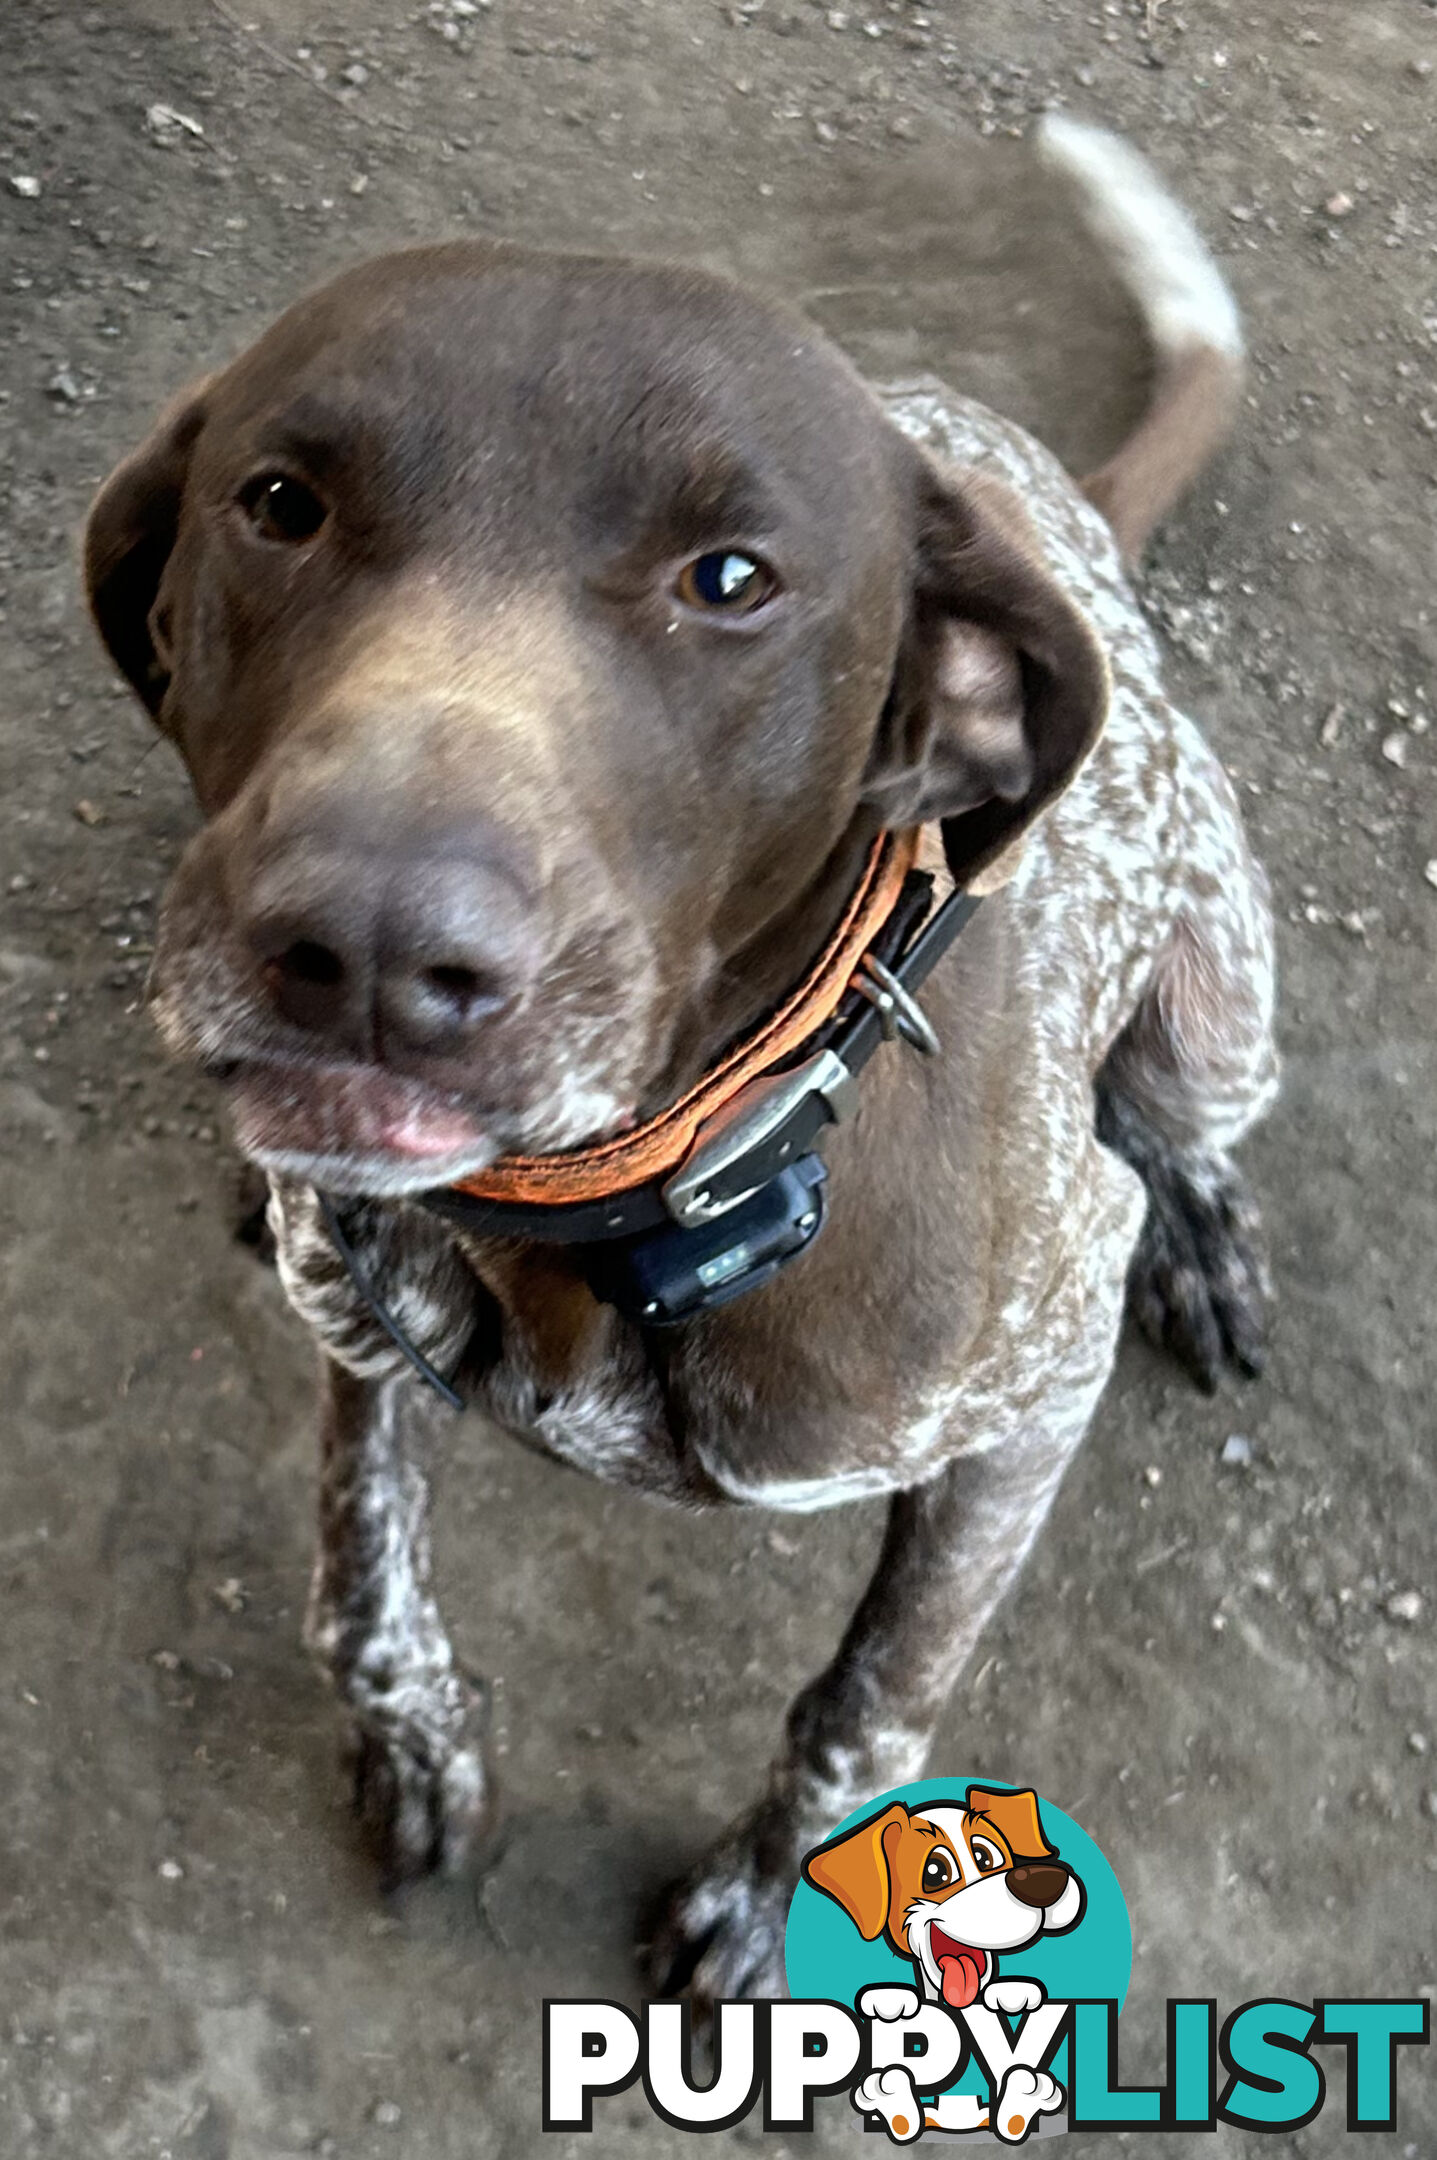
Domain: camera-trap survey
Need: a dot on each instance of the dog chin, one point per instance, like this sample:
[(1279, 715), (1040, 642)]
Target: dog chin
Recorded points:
[(366, 1177)]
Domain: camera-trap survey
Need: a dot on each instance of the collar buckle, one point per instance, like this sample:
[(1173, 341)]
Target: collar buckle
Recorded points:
[(744, 1144)]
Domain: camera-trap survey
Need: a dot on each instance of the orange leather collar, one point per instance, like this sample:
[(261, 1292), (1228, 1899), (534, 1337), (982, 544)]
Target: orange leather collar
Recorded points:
[(659, 1146)]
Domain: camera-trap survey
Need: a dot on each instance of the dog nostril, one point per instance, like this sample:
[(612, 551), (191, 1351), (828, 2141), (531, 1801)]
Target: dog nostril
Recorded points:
[(311, 983), (307, 962), (459, 983), (464, 990)]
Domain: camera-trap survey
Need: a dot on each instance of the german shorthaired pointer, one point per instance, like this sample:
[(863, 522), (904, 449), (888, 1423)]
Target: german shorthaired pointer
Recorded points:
[(556, 646)]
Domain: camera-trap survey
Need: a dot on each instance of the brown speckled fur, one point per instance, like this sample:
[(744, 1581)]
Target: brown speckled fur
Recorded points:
[(1107, 1023), (1138, 947)]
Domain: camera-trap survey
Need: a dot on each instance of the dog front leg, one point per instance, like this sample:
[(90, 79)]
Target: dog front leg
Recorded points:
[(951, 1549), (422, 1784)]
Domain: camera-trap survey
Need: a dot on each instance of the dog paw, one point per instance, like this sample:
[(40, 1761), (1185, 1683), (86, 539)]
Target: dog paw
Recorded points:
[(891, 2093), (1023, 2097), (888, 2004), (1014, 1998), (720, 1929), (1198, 1283), (424, 1808)]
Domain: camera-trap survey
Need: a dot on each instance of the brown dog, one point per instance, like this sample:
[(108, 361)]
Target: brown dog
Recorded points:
[(550, 641)]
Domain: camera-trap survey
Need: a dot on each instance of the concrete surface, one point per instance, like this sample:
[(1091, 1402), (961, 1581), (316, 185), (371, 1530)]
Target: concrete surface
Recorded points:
[(1205, 1662)]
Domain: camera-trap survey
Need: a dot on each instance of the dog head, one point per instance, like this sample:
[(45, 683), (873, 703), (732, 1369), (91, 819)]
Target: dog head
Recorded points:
[(951, 1886), (547, 639)]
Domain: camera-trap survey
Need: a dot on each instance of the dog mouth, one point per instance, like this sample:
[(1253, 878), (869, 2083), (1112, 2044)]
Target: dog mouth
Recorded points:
[(347, 1120), (960, 1966)]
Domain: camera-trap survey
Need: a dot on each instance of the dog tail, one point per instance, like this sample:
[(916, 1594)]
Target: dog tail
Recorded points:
[(1190, 316)]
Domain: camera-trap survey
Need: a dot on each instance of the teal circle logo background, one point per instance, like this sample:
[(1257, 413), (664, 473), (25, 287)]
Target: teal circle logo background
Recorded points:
[(826, 1957)]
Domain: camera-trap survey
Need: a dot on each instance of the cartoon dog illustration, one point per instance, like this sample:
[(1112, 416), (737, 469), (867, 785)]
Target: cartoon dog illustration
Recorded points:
[(952, 1887)]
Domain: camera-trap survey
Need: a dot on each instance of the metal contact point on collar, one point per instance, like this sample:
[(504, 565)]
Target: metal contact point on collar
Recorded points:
[(749, 1130)]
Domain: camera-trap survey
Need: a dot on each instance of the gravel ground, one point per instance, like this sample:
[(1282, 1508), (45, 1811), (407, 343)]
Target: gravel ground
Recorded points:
[(1221, 1658)]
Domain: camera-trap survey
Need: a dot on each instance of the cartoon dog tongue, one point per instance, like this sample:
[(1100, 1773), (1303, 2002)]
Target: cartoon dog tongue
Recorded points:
[(962, 1971)]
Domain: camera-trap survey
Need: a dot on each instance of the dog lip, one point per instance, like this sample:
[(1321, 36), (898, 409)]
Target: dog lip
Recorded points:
[(359, 1113)]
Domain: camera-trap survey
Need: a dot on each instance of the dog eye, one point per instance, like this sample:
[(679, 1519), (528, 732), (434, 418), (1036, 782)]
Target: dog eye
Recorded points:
[(281, 509), (938, 1871), (987, 1856), (726, 582)]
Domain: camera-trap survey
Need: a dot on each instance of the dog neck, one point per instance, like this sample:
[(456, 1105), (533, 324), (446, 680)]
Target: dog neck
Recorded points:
[(659, 1143), (775, 957)]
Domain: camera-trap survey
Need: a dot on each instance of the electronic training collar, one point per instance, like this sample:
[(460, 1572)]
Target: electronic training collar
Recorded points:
[(717, 1193)]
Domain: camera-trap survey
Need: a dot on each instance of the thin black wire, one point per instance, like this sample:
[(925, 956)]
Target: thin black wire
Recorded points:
[(380, 1310)]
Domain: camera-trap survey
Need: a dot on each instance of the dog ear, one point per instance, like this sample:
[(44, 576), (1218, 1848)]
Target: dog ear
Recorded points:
[(1001, 687), (853, 1870), (1014, 1815), (129, 537)]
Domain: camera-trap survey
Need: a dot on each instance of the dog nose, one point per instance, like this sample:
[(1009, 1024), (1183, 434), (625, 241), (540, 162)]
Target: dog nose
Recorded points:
[(373, 954), (1039, 1884)]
